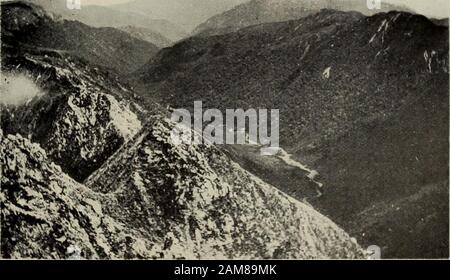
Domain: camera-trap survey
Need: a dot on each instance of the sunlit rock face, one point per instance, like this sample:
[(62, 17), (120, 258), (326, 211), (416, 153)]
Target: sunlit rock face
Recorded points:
[(45, 214), (79, 117)]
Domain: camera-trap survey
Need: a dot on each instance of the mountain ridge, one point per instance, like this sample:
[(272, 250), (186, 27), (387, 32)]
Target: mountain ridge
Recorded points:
[(202, 183), (124, 53), (83, 112), (138, 195), (101, 16), (207, 221), (336, 77), (265, 11), (186, 13), (148, 35)]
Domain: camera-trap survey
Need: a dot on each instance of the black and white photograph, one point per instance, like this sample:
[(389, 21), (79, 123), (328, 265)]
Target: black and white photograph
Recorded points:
[(224, 130)]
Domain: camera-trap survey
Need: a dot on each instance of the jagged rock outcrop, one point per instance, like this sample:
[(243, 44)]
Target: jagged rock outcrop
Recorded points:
[(154, 199), (44, 212), (81, 112), (82, 116)]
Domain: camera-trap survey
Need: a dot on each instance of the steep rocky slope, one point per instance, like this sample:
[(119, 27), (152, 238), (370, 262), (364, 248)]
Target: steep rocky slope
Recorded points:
[(195, 199), (81, 116), (362, 100), (27, 24), (264, 11), (47, 215), (79, 113), (155, 200)]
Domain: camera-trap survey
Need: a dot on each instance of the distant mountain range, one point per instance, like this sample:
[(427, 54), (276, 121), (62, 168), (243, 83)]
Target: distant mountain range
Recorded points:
[(264, 11), (185, 13), (101, 16), (148, 35), (363, 100)]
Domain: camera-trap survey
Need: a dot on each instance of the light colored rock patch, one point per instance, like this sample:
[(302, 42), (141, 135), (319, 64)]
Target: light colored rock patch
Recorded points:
[(124, 120)]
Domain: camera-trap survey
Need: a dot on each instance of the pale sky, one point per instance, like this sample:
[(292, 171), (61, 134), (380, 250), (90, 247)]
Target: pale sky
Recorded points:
[(434, 8), (103, 2)]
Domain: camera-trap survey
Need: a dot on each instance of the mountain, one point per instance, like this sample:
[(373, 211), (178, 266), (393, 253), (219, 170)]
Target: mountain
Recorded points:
[(362, 100), (186, 13), (264, 11), (26, 23), (196, 199), (106, 17), (145, 197), (148, 35), (45, 214), (79, 112), (101, 16), (441, 22), (396, 177), (80, 117), (198, 207)]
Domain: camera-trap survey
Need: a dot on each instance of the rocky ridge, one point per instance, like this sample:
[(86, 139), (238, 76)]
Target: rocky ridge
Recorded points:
[(44, 212), (154, 199), (82, 116)]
